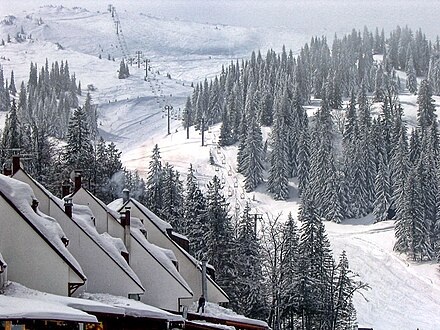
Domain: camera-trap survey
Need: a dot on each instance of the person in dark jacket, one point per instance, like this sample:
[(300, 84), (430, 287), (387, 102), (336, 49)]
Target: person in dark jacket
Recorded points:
[(201, 304)]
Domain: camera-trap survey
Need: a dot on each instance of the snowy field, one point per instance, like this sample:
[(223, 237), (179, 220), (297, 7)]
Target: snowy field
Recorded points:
[(191, 40)]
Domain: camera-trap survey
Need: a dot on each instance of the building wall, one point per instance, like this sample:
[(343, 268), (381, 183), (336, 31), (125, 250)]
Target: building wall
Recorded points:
[(161, 288), (31, 261), (104, 222), (104, 275), (190, 272)]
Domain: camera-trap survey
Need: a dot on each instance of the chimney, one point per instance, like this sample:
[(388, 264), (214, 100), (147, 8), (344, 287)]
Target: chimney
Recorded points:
[(34, 205), (78, 178), (65, 189), (125, 195), (15, 164), (125, 221), (68, 206)]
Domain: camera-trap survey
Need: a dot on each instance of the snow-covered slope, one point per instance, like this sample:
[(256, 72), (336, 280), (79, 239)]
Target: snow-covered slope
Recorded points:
[(190, 40)]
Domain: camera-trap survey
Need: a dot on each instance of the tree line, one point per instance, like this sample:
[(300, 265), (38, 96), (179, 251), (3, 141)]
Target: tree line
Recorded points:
[(350, 161)]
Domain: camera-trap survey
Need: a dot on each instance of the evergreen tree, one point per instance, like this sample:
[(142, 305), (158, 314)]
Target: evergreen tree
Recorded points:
[(219, 242), (251, 291), (154, 182), (78, 152), (253, 157)]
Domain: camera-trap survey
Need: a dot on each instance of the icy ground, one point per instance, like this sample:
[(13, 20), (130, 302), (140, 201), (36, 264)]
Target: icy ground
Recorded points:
[(191, 40)]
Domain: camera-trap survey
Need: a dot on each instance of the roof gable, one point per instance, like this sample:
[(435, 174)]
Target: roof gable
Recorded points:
[(20, 196)]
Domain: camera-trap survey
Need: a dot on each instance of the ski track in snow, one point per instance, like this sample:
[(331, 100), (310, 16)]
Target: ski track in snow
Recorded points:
[(404, 294)]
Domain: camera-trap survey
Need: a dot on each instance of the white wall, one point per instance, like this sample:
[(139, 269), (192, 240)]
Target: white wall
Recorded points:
[(31, 261), (190, 272), (104, 222), (103, 274), (161, 288)]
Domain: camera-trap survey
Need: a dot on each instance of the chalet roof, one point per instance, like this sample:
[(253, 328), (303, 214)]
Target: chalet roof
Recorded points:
[(162, 225), (119, 204), (163, 256), (19, 196), (19, 302), (134, 308), (220, 315), (82, 216)]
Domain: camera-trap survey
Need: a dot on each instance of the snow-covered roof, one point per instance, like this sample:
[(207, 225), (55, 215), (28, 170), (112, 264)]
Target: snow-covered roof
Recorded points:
[(20, 196), (163, 256), (112, 212), (118, 204), (215, 311), (176, 234), (19, 302), (209, 325), (82, 216), (133, 308)]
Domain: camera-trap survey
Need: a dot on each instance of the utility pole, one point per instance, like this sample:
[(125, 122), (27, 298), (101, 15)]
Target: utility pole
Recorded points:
[(117, 27), (188, 120), (139, 53), (168, 108), (146, 68), (257, 216), (203, 131)]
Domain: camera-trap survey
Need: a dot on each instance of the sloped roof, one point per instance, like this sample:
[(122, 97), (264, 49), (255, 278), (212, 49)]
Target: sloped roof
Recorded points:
[(162, 256), (19, 302), (82, 217), (133, 308), (19, 196), (119, 204), (162, 225)]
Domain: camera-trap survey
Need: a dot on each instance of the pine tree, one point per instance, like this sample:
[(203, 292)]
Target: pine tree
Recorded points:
[(154, 182), (253, 157), (11, 87), (219, 241), (382, 188), (78, 152), (251, 291), (411, 78), (172, 199), (194, 224)]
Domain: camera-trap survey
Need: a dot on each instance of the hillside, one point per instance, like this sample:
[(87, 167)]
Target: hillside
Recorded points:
[(403, 295)]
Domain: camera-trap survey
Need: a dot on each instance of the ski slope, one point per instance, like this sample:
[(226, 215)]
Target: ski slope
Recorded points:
[(191, 41)]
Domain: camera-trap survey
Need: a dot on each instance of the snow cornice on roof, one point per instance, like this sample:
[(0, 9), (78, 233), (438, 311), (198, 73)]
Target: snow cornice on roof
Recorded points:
[(162, 225), (19, 196), (90, 231)]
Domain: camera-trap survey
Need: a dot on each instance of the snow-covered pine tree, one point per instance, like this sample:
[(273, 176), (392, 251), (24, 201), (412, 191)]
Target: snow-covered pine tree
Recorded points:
[(172, 199), (253, 167), (78, 152), (411, 78), (154, 182), (251, 289), (290, 299), (194, 224), (219, 242), (382, 188)]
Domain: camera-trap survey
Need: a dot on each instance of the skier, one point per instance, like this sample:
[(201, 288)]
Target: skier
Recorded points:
[(201, 304)]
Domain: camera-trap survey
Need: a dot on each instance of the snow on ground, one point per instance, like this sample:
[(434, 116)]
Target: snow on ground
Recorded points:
[(191, 40)]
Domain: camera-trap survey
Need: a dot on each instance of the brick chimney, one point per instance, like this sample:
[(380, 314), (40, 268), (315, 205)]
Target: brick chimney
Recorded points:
[(34, 205), (125, 195), (15, 164), (65, 189), (68, 206), (125, 221), (78, 179)]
